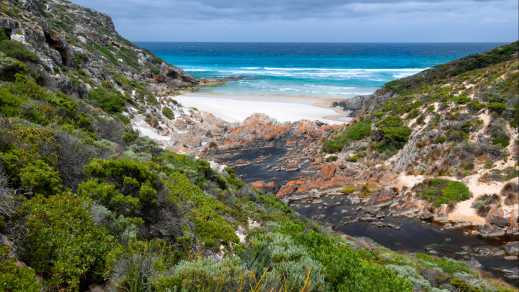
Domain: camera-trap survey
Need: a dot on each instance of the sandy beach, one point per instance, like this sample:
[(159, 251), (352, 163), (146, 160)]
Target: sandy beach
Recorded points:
[(236, 108)]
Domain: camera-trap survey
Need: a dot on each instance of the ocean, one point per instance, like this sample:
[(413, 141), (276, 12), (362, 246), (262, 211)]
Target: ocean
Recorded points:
[(328, 70)]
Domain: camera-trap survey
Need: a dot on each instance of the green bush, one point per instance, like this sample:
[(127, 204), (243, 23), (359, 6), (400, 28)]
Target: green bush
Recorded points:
[(39, 178), (475, 105), (207, 274), (17, 50), (40, 105), (496, 106), (108, 99), (205, 212), (9, 67), (3, 35), (10, 103), (17, 159), (461, 99), (125, 186), (62, 241), (348, 270), (391, 135), (108, 195), (447, 265), (442, 191), (198, 171), (136, 267), (499, 136), (484, 203), (14, 277), (130, 136), (354, 132), (284, 264), (168, 113)]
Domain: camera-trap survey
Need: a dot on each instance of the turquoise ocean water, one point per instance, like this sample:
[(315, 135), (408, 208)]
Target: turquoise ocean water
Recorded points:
[(308, 69)]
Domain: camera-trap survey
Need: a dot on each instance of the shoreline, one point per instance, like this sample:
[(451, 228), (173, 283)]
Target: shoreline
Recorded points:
[(235, 108)]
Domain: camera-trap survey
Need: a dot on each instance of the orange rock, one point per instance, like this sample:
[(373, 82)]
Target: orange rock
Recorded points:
[(264, 186), (289, 188), (328, 170)]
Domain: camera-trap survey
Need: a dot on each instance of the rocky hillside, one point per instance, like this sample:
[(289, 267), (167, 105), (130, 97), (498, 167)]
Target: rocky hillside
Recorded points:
[(78, 49), (88, 204), (441, 145)]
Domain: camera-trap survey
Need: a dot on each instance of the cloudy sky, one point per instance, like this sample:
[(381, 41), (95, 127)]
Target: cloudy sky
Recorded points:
[(313, 20)]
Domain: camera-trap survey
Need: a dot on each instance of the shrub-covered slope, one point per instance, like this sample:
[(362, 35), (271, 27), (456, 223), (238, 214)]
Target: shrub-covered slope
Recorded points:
[(454, 122)]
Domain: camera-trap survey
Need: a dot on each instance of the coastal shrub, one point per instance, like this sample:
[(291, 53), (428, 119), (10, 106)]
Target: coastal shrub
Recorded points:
[(135, 267), (26, 160), (332, 158), (498, 134), (3, 35), (39, 178), (354, 132), (108, 195), (460, 99), (391, 135), (9, 102), (346, 269), (204, 211), (25, 98), (484, 203), (497, 107), (62, 241), (108, 99), (511, 193), (127, 187), (17, 50), (447, 265), (349, 189), (442, 191), (130, 136), (475, 105), (207, 274), (9, 67), (14, 277), (168, 113), (198, 171), (282, 263)]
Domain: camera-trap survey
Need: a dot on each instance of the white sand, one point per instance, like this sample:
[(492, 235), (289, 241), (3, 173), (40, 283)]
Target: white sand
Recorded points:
[(282, 109)]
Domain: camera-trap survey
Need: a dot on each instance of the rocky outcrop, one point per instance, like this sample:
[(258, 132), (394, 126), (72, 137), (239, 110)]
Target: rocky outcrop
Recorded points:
[(79, 48)]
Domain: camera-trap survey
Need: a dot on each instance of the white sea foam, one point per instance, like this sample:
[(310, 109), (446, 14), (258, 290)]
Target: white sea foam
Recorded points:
[(381, 74)]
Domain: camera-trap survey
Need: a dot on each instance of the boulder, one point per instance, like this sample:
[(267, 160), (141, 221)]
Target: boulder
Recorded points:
[(328, 170), (512, 248), (264, 186), (289, 188)]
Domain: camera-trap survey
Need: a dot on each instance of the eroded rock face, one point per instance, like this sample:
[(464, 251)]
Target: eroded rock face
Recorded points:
[(63, 35)]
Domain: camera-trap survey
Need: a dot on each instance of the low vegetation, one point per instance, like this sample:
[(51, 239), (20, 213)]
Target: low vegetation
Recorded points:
[(391, 135), (442, 191), (108, 99), (354, 132)]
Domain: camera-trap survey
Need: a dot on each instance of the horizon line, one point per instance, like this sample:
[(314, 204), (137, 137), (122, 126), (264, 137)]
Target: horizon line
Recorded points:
[(311, 42)]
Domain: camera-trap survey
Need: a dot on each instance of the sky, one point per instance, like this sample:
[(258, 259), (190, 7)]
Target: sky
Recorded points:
[(313, 20)]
